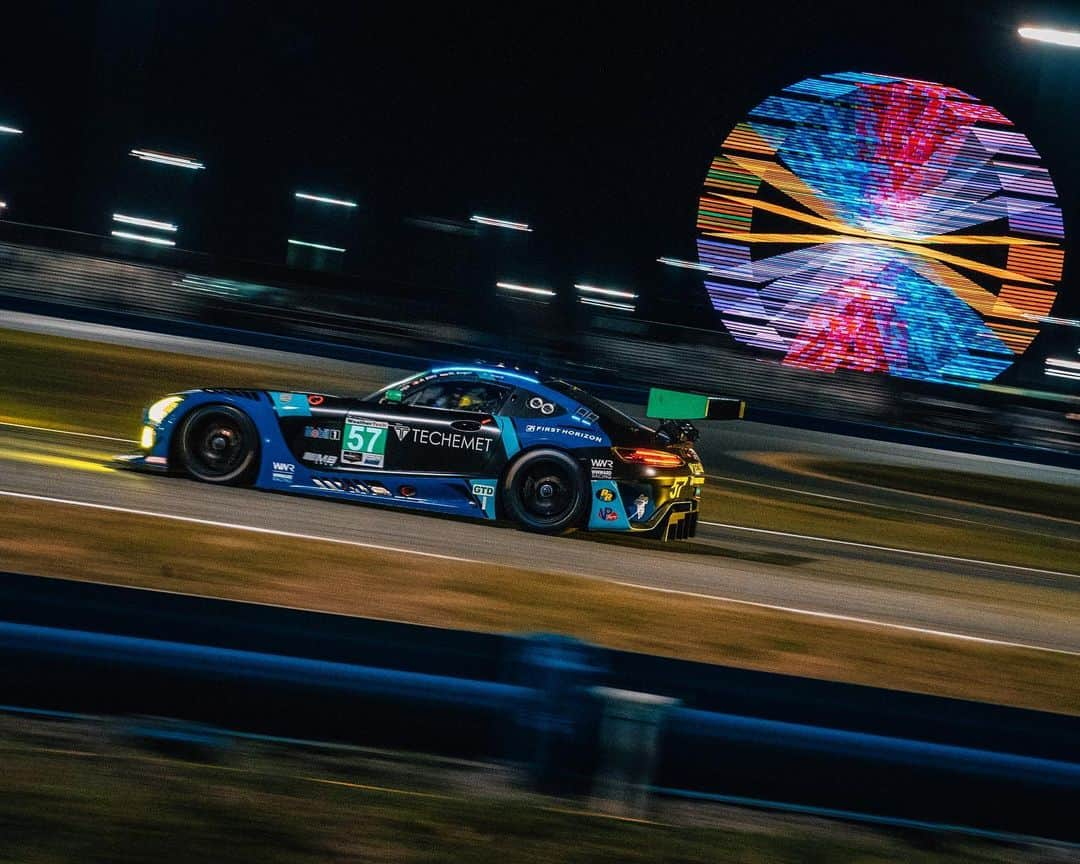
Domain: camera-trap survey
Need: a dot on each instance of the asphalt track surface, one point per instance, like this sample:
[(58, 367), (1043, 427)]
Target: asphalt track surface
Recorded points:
[(728, 563)]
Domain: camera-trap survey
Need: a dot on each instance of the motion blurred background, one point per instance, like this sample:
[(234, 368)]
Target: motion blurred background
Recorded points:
[(593, 129)]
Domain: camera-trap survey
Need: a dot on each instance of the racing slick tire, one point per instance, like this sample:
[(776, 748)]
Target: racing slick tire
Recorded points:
[(545, 491), (219, 444)]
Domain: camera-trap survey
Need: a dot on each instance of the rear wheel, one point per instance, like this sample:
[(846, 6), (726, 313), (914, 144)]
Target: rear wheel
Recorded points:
[(545, 491), (219, 444)]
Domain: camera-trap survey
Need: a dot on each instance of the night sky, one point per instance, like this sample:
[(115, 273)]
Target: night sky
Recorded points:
[(594, 124)]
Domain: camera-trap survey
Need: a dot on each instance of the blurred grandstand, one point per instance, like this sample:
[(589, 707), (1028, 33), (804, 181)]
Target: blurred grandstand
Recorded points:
[(435, 298)]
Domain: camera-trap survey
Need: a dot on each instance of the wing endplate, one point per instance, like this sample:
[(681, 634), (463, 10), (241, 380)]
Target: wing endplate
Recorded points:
[(674, 405)]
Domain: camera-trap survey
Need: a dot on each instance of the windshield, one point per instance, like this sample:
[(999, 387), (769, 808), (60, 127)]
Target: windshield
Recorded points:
[(611, 418)]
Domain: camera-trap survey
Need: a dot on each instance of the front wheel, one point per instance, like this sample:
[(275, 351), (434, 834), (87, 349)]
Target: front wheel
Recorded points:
[(545, 491), (219, 444)]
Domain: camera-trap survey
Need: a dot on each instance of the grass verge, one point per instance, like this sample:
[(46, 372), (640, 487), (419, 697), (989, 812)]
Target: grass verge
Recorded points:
[(82, 792), (731, 503), (1029, 496), (71, 542), (96, 387)]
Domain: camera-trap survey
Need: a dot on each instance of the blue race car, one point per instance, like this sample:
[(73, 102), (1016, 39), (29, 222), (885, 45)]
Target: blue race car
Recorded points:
[(475, 441)]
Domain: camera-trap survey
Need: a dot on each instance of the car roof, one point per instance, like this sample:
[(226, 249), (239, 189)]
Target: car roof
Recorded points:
[(486, 372)]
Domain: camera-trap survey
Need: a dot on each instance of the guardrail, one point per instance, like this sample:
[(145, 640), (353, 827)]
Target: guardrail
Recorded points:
[(580, 718)]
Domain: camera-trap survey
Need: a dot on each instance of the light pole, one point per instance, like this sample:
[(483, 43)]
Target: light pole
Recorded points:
[(1059, 88)]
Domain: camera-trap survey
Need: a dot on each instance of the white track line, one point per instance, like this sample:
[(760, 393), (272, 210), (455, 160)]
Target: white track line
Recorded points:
[(798, 491), (237, 527), (835, 616), (892, 549), (714, 597), (66, 432)]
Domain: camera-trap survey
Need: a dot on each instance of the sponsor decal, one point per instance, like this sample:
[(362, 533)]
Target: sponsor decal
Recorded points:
[(610, 513), (290, 404), (364, 443), (326, 459), (354, 487), (452, 440), (401, 431), (602, 468), (323, 433), (283, 472), (483, 491), (586, 416), (640, 503), (562, 430), (315, 399), (545, 408)]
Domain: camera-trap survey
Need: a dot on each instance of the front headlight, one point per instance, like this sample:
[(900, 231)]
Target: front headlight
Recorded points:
[(161, 409)]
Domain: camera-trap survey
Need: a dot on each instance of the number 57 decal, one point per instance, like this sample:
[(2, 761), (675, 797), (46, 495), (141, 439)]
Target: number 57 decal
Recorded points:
[(364, 442)]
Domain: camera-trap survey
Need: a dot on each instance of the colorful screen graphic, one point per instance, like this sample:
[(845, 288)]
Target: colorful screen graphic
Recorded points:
[(882, 224)]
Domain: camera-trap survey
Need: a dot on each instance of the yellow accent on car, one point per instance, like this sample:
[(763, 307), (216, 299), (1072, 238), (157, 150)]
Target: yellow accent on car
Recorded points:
[(146, 440)]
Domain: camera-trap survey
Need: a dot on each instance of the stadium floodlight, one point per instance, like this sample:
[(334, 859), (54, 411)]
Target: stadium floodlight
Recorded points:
[(524, 289), (500, 223), (607, 304), (143, 223), (686, 265), (322, 246), (168, 159), (143, 238), (606, 292), (1068, 38), (1056, 367), (10, 130), (323, 199)]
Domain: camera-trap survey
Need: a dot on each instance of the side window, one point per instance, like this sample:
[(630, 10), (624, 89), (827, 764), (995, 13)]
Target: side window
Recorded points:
[(525, 403), (458, 396)]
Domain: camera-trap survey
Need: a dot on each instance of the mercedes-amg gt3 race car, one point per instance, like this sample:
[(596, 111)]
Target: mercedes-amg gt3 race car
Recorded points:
[(475, 441)]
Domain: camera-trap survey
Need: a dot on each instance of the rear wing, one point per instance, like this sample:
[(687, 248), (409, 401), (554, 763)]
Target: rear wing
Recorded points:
[(673, 405)]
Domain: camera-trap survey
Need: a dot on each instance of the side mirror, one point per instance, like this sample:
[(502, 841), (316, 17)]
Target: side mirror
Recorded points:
[(393, 396)]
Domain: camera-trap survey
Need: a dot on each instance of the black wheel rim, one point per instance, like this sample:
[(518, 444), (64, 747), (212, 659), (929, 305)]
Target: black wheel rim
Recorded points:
[(547, 492), (216, 445)]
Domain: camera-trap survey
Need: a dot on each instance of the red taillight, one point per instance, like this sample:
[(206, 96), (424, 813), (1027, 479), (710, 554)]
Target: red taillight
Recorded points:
[(655, 458)]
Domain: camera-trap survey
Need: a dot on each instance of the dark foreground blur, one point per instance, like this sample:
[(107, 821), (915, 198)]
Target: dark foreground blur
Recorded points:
[(115, 791)]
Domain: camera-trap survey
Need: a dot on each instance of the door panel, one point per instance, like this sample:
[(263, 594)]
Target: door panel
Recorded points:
[(351, 435), (433, 440)]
